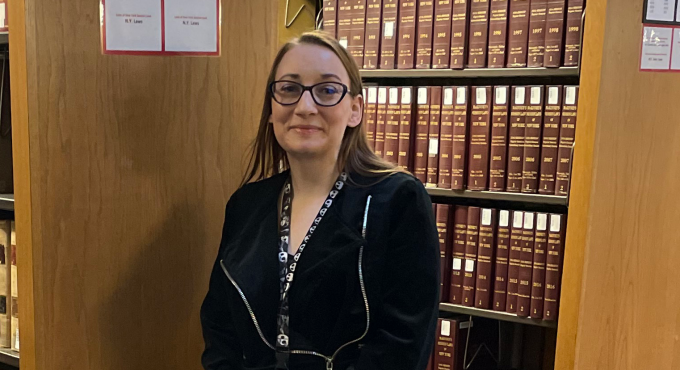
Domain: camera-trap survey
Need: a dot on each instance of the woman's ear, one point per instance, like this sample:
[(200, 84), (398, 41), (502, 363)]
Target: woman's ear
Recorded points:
[(357, 111)]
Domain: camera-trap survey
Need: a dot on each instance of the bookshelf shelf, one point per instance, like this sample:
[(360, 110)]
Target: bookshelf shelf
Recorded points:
[(9, 357), (528, 202), (7, 202), (471, 73), (489, 314)]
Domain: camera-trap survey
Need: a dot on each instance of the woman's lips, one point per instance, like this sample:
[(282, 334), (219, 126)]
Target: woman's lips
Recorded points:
[(305, 129)]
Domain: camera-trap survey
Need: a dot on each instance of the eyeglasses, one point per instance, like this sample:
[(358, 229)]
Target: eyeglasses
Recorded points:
[(324, 94)]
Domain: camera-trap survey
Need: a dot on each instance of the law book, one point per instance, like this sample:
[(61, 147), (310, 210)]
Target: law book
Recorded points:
[(460, 134), (330, 17), (526, 266), (449, 348), (532, 140), (380, 122), (554, 40), (479, 33), (389, 31), (515, 255), (441, 38), (14, 309), (518, 32), (538, 270), (433, 136), (407, 34), (572, 38), (430, 362), (551, 136), (372, 37), (446, 138), (499, 138), (345, 22), (553, 266), (484, 284), (500, 285), (356, 42), (480, 137), (567, 133), (471, 248), (5, 283), (537, 21), (422, 131), (424, 34), (516, 133), (498, 33), (404, 159), (459, 24), (391, 152), (371, 114), (460, 218), (445, 247)]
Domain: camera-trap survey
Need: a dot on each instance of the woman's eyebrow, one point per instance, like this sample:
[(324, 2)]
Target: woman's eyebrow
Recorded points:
[(291, 76), (330, 75)]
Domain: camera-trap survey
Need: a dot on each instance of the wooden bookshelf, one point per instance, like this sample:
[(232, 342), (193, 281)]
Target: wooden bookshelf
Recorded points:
[(495, 315), (494, 199), (9, 357), (471, 73), (7, 202)]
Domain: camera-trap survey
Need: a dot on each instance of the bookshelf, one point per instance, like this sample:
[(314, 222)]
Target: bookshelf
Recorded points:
[(489, 314), (518, 201), (471, 73), (9, 357), (7, 202)]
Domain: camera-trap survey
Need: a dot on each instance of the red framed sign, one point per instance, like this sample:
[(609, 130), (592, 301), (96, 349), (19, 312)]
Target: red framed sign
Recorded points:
[(161, 27), (660, 49)]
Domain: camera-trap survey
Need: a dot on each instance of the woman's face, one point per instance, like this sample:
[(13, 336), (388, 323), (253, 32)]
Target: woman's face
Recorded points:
[(305, 129)]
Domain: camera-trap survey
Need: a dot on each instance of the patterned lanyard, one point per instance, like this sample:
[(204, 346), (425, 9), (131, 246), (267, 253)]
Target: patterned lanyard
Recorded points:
[(286, 271)]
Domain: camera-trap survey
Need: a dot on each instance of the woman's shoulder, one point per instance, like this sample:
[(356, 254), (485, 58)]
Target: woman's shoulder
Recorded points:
[(396, 182), (259, 192)]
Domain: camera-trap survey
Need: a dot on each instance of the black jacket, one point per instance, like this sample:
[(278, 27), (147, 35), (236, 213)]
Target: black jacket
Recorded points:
[(400, 271)]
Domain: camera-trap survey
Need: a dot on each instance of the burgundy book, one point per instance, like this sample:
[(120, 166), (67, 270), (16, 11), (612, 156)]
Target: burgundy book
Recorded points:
[(518, 32), (554, 42), (391, 152), (371, 115), (537, 20), (515, 255), (459, 23), (446, 138), (572, 39), (553, 266), (460, 123), (526, 266), (480, 136), (445, 248), (500, 285), (430, 362), (330, 17), (424, 40), (441, 38), (499, 138), (484, 285), (433, 136), (532, 140), (345, 22), (356, 42), (551, 136), (516, 134), (459, 238), (479, 32), (405, 128), (538, 274), (407, 34), (470, 266), (422, 127), (372, 38), (380, 122), (388, 42), (567, 133), (498, 33), (448, 349)]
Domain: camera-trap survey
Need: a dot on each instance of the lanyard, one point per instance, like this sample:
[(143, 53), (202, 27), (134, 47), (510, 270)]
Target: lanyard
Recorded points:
[(287, 268)]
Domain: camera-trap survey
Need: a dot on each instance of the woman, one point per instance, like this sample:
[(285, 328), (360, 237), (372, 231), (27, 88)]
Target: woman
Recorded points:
[(359, 289)]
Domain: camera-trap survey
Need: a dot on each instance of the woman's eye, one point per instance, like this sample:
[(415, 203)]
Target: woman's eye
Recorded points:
[(289, 88), (328, 90)]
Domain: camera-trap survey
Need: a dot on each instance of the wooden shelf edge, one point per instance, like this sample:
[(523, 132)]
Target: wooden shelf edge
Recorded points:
[(500, 196), (471, 73), (489, 314), (9, 357), (7, 202)]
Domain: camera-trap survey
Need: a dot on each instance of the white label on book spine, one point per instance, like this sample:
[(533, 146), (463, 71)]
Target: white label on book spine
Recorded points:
[(394, 95), (446, 328), (529, 220), (382, 95), (553, 95), (460, 95), (448, 96), (535, 95), (555, 223), (343, 43), (570, 98), (434, 147), (501, 95), (2, 14), (457, 264), (405, 95), (504, 218), (542, 222), (389, 29), (517, 219), (481, 95), (520, 94), (469, 266), (486, 217), (372, 95), (422, 95)]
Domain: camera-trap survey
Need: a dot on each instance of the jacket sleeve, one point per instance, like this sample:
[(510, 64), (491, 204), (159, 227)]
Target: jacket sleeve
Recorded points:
[(404, 332), (222, 348)]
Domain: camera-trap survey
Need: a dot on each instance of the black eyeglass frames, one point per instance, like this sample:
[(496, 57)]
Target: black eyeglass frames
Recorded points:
[(324, 94)]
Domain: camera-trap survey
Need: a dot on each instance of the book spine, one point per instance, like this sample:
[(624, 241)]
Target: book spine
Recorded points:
[(433, 136), (405, 128), (572, 39), (460, 217), (371, 115), (422, 127), (330, 17), (499, 139), (532, 140), (446, 138), (518, 32), (459, 26), (479, 33), (460, 123), (345, 22), (441, 43), (372, 37), (500, 286), (470, 267), (553, 267), (356, 42), (446, 345), (526, 267), (551, 135), (442, 217), (407, 34), (5, 283), (567, 133), (537, 20), (516, 133), (478, 166), (538, 271), (380, 121), (498, 33), (484, 284), (515, 255), (388, 42), (554, 41), (14, 302), (425, 29), (391, 152)]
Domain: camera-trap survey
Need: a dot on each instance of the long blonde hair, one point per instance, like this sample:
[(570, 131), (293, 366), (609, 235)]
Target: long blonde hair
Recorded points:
[(267, 158)]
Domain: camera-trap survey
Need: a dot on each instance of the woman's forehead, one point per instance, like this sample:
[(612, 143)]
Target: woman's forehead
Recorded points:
[(312, 62)]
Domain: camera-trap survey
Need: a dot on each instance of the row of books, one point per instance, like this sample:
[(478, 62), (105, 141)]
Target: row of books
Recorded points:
[(502, 138), (407, 34), (501, 260), (9, 313)]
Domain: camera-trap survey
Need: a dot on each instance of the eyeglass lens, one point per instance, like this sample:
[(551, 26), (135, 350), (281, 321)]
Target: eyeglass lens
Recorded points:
[(325, 94)]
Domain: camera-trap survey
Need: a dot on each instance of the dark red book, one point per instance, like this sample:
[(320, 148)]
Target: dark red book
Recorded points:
[(446, 139), (356, 42), (480, 136), (425, 27), (388, 42), (567, 133), (498, 33), (407, 34), (470, 268), (371, 115), (330, 17), (554, 40), (500, 286), (532, 140), (526, 266), (405, 128), (518, 32), (460, 124), (380, 122), (445, 248), (433, 136), (553, 270), (345, 22), (449, 347), (441, 39), (372, 37), (479, 32), (537, 20), (551, 136), (515, 255), (499, 138), (516, 134), (538, 274), (484, 284), (391, 152), (572, 39), (459, 23), (422, 131), (459, 238)]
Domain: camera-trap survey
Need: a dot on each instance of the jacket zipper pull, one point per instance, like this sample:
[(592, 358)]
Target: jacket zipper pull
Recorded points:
[(329, 364)]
